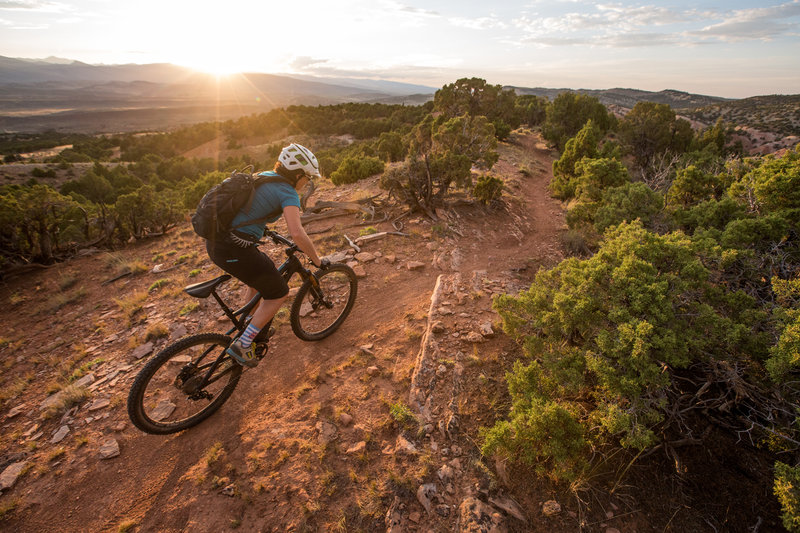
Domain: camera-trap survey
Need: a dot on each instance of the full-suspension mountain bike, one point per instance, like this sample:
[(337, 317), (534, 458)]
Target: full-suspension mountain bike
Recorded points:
[(190, 379)]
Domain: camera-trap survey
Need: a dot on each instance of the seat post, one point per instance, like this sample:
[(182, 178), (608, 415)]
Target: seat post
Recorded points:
[(225, 308)]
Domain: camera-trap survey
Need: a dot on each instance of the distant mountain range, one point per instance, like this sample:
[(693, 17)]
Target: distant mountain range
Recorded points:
[(627, 98), (65, 95)]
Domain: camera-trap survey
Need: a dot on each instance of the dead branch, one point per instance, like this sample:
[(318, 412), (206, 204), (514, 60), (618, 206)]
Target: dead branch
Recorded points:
[(352, 244), (377, 236)]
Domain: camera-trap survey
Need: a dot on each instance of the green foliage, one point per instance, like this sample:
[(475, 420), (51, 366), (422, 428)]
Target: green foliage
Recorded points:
[(39, 172), (532, 110), (593, 176), (567, 115), (488, 189), (787, 489), (442, 152), (604, 334), (773, 185), (474, 97), (692, 186), (354, 169), (546, 435), (584, 144), (391, 147), (709, 214), (650, 129), (627, 203), (785, 354)]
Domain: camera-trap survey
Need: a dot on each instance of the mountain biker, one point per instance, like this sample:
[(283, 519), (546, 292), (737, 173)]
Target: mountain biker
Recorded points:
[(238, 255)]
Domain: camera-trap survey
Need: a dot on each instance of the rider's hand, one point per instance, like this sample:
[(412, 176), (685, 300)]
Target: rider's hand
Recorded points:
[(324, 263)]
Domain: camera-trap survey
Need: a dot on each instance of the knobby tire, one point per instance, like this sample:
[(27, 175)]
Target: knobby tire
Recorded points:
[(164, 361), (339, 286)]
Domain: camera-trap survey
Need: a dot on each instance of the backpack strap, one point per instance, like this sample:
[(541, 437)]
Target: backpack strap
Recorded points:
[(257, 181)]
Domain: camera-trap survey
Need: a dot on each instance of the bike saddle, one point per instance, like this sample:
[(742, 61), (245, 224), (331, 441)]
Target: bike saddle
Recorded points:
[(205, 288)]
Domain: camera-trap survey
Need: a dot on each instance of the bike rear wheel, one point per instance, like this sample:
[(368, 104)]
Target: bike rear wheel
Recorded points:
[(323, 302), (183, 384)]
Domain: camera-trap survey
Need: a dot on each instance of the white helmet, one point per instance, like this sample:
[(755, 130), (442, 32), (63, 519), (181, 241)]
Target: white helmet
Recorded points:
[(296, 156)]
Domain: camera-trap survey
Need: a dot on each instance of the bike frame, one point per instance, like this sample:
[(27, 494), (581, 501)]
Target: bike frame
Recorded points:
[(291, 266)]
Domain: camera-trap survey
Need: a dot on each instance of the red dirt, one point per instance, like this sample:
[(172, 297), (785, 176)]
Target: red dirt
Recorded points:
[(267, 445)]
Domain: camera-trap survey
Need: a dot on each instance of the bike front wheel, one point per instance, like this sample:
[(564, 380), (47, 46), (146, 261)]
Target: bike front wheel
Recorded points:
[(323, 302), (183, 384)]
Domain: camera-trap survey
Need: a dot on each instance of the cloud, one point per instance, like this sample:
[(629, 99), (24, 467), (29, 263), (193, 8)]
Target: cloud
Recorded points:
[(754, 24), (399, 7), (481, 23), (627, 26), (34, 6)]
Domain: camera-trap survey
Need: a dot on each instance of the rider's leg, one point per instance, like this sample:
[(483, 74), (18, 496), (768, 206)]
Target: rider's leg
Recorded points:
[(266, 310)]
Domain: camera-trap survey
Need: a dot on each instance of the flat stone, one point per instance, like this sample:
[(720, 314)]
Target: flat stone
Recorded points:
[(179, 331), (359, 271), (345, 419), (510, 506), (59, 435), (10, 474), (364, 257), (85, 381), (357, 447), (163, 410), (182, 359), (18, 410), (390, 258), (337, 257), (415, 265), (486, 329), (142, 350), (109, 449), (373, 370), (100, 403)]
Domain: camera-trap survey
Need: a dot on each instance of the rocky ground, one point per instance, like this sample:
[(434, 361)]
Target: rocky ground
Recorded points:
[(333, 435)]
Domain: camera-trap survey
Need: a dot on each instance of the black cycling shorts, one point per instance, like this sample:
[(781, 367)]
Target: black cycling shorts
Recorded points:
[(249, 265)]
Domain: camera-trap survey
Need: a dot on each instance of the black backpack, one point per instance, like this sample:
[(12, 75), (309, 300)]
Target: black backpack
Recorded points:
[(218, 207)]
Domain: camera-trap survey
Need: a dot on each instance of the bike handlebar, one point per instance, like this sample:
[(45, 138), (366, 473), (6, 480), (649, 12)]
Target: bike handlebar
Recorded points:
[(277, 238)]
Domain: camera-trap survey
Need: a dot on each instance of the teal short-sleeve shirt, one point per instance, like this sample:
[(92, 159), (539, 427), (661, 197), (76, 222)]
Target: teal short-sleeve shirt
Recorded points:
[(268, 198)]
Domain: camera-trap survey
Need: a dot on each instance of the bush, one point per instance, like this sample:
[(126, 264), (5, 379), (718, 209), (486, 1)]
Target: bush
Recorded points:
[(604, 336), (488, 189), (353, 169), (787, 489), (626, 204)]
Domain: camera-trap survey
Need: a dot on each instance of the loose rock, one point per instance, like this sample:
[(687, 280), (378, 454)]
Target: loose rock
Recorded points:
[(415, 265), (11, 474), (475, 516), (345, 419), (551, 508), (99, 403), (109, 449), (59, 435), (327, 432), (163, 410), (357, 448), (403, 445), (425, 495), (142, 351)]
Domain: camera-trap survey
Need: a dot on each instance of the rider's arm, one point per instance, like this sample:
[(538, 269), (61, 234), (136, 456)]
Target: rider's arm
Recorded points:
[(291, 214)]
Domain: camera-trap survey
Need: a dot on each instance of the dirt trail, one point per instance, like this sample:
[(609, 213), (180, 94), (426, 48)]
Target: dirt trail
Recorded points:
[(265, 446)]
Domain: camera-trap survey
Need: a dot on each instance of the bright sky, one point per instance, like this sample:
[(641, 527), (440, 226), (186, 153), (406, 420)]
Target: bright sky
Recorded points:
[(731, 48)]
